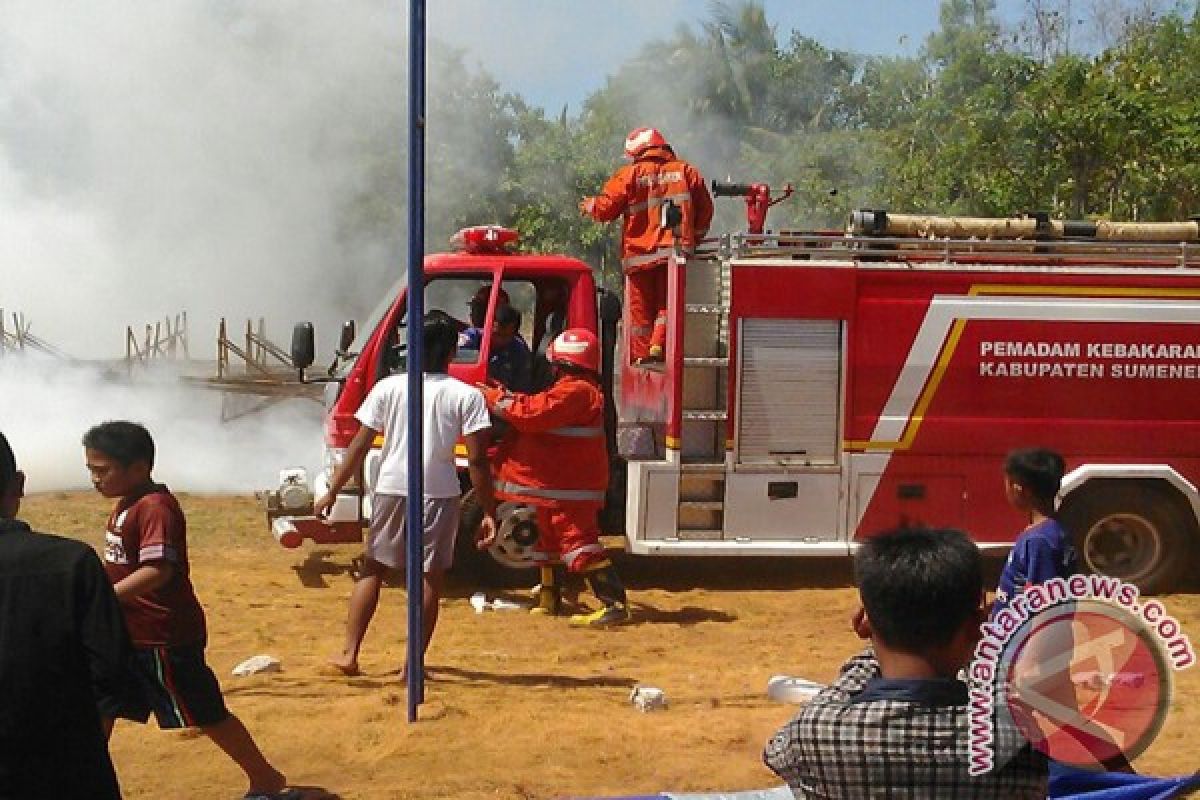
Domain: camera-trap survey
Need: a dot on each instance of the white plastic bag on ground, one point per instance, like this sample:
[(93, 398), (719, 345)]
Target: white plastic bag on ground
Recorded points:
[(788, 689), (257, 664)]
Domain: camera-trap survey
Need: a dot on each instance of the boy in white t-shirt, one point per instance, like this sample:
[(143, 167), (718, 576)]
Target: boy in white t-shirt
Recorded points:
[(451, 409)]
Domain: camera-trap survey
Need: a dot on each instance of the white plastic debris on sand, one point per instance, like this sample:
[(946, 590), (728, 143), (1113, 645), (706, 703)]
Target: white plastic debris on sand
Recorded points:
[(648, 698), (480, 603), (788, 689), (257, 664)]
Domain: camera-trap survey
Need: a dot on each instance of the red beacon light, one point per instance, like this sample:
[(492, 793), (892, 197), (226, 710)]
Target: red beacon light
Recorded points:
[(484, 239)]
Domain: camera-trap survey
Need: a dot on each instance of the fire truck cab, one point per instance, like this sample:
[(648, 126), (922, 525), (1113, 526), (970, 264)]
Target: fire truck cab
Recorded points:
[(552, 293), (819, 388)]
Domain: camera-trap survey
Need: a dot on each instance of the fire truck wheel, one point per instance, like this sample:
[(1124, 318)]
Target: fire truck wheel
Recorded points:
[(1137, 534), (484, 568)]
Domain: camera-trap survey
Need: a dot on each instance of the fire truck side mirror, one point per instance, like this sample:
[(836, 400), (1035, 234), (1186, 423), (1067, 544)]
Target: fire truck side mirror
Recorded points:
[(349, 332), (303, 345)]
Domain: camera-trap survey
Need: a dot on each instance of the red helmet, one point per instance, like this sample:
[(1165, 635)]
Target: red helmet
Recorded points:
[(641, 139), (575, 347)]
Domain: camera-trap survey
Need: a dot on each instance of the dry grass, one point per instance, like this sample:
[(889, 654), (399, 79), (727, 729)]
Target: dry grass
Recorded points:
[(519, 707)]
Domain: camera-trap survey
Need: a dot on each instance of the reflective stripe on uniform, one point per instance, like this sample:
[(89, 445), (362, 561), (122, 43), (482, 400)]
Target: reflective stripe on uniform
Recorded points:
[(660, 254), (549, 494), (577, 431), (654, 202), (571, 556)]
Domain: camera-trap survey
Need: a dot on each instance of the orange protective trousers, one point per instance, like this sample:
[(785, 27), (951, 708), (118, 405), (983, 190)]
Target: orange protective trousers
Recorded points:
[(570, 533), (646, 302)]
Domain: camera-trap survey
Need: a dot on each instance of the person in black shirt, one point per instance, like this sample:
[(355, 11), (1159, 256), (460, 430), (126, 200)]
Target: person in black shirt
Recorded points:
[(64, 659)]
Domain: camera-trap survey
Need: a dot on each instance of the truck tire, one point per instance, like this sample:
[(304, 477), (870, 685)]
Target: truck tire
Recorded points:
[(1137, 533), (481, 567)]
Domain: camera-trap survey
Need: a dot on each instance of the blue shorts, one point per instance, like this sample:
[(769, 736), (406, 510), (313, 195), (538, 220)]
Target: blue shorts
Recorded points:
[(178, 686)]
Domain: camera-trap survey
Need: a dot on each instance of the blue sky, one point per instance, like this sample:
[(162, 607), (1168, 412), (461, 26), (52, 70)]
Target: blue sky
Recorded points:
[(558, 51)]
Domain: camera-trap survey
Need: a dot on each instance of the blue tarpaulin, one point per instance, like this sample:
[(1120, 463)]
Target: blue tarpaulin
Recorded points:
[(1066, 783)]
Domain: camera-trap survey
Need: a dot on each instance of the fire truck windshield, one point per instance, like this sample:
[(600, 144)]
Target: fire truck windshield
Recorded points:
[(376, 316)]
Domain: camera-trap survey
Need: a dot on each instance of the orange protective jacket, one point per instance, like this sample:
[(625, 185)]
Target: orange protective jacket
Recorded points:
[(559, 453), (639, 190)]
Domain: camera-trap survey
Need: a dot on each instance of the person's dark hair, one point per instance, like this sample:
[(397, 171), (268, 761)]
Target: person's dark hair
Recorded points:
[(1038, 470), (439, 338), (123, 441), (507, 315), (8, 463), (918, 585)]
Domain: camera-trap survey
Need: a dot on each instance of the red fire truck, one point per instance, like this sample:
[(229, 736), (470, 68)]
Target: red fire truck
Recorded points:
[(822, 387)]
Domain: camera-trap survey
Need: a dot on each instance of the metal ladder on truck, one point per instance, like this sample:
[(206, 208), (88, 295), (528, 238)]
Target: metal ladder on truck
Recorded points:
[(704, 414)]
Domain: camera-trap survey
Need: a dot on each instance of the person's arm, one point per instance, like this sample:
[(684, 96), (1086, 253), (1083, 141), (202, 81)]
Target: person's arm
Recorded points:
[(102, 633), (787, 752), (612, 200), (480, 470), (544, 411), (143, 580), (159, 530), (356, 453), (853, 677)]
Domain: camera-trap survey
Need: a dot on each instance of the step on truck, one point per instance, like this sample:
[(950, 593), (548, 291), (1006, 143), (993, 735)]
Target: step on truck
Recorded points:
[(821, 387)]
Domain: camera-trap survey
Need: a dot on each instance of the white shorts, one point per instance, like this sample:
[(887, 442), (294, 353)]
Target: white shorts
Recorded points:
[(385, 541)]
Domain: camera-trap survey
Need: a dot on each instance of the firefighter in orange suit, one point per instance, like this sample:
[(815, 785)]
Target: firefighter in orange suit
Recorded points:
[(643, 192), (558, 463)]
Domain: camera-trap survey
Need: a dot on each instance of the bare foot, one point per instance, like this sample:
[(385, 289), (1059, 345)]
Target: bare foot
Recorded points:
[(268, 785), (345, 666)]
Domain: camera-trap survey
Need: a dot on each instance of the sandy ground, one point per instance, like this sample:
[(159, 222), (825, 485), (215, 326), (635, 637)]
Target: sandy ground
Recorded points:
[(519, 707)]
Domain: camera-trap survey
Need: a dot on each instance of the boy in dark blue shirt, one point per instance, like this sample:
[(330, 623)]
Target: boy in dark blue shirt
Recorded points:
[(1032, 478)]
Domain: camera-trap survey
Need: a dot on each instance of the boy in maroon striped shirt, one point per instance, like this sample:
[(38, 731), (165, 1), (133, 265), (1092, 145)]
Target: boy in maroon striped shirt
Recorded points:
[(145, 555)]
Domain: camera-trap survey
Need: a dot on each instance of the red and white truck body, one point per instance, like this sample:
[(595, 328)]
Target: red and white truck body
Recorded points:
[(868, 382)]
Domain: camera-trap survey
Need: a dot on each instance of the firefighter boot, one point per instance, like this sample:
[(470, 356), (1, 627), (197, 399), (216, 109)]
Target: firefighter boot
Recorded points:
[(549, 595), (603, 580), (658, 337)]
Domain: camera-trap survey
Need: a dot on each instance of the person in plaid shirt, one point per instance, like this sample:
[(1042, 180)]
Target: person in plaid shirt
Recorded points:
[(894, 722)]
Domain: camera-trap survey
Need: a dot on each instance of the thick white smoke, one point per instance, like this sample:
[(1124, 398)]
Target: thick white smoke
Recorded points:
[(46, 405), (186, 156), (199, 156)]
